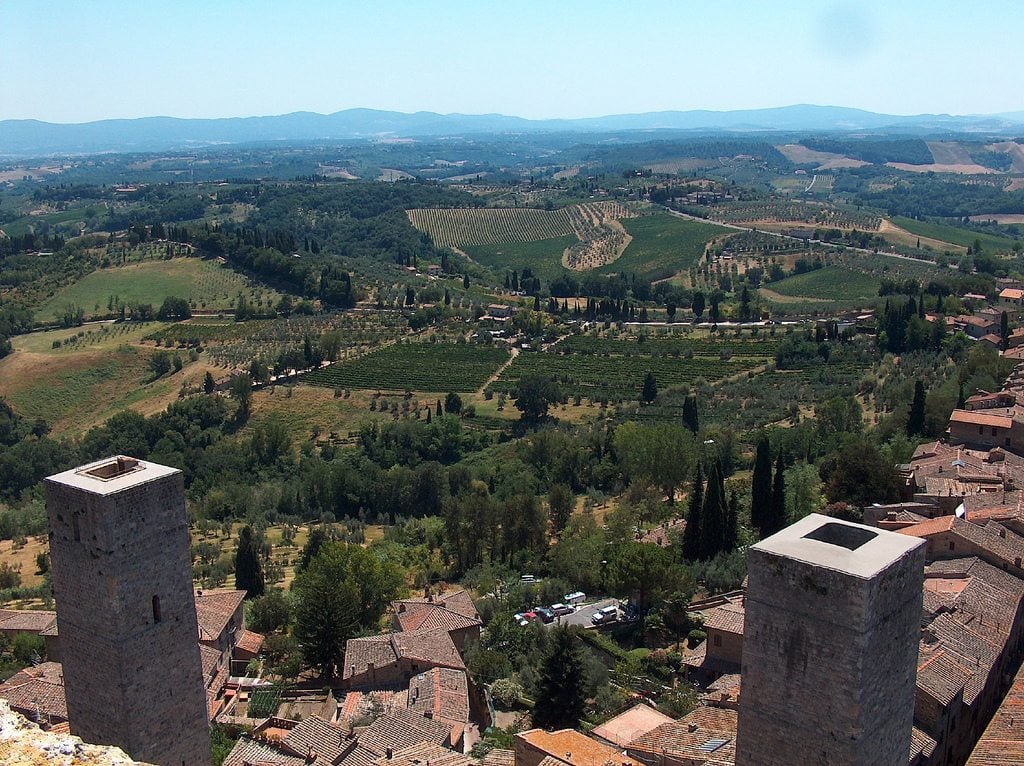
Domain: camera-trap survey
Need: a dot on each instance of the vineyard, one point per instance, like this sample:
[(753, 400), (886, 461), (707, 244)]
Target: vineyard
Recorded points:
[(663, 245), (829, 283), (618, 378), (779, 211), (599, 237), (435, 367), (689, 344), (455, 227), (235, 344)]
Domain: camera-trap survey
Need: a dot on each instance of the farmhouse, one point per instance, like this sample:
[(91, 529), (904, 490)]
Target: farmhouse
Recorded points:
[(394, 658), (1012, 295)]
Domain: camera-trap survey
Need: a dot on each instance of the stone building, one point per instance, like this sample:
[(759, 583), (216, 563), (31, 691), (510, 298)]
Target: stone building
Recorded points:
[(832, 626), (126, 614)]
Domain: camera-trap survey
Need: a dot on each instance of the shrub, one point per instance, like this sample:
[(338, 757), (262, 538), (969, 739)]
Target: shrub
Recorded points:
[(506, 693)]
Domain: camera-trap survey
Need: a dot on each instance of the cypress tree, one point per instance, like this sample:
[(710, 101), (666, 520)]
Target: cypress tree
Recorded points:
[(761, 485), (691, 534), (649, 392), (777, 510), (713, 515), (248, 570), (690, 419), (915, 420), (732, 524)]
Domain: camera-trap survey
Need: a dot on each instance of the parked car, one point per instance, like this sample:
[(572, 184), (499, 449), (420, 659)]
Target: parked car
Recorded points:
[(544, 613), (578, 597), (560, 609), (524, 618), (606, 615)]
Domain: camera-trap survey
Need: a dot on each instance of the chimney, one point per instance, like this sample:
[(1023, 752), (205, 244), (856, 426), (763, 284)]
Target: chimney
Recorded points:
[(388, 753), (691, 727)]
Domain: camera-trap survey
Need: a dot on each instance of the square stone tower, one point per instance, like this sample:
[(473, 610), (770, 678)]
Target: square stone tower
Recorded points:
[(833, 613), (126, 612)]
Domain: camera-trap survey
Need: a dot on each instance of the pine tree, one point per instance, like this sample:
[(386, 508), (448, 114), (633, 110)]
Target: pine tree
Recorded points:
[(209, 385), (649, 392), (561, 688), (248, 569), (915, 420), (691, 534), (713, 515), (440, 412), (761, 485), (777, 510)]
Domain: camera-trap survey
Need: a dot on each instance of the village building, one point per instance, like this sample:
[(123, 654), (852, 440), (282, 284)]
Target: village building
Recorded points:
[(566, 747), (626, 727)]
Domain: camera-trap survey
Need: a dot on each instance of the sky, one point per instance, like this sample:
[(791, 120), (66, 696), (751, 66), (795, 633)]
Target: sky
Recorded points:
[(78, 60)]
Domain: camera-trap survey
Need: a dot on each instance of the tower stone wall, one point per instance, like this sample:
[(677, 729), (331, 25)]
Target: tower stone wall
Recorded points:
[(126, 612), (831, 638)]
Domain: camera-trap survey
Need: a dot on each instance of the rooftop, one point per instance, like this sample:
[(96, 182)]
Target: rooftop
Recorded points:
[(625, 727), (112, 475), (852, 549), (572, 747), (214, 608)]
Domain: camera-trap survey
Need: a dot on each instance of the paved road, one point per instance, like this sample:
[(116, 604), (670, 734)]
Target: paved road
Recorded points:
[(583, 613)]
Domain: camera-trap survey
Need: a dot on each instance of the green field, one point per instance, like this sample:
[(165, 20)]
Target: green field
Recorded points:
[(954, 234), (204, 283), (543, 257), (434, 367), (833, 283), (663, 245), (618, 377)]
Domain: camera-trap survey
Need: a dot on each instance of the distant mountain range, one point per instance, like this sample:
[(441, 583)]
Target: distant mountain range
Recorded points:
[(23, 138)]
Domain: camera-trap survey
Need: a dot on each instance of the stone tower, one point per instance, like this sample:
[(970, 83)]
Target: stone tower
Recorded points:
[(831, 633), (126, 613)]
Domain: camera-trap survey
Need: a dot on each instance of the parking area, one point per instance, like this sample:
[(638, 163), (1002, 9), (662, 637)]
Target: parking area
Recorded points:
[(584, 613)]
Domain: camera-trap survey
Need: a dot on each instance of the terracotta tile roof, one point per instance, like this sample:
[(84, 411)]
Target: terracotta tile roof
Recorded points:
[(210, 659), (663, 533), (37, 693), (316, 735), (441, 692), (978, 418), (572, 747), (727, 618), (940, 674), (691, 736), (359, 756), (361, 652), (921, 744), (433, 646), (27, 620), (415, 616), (625, 727), (360, 703), (1002, 742), (499, 757), (249, 642), (214, 608), (401, 729), (248, 752), (424, 753)]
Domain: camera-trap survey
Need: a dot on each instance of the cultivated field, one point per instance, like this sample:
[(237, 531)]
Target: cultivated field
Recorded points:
[(663, 245), (432, 367), (953, 235), (832, 283), (205, 284)]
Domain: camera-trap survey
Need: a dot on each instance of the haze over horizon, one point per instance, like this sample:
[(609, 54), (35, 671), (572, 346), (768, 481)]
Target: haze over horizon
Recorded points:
[(74, 62)]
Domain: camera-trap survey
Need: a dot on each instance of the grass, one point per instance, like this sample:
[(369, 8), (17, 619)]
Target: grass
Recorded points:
[(663, 245), (543, 257), (829, 283), (204, 283), (954, 234)]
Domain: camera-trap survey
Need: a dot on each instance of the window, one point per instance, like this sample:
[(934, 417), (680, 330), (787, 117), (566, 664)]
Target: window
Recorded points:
[(718, 640), (993, 431), (952, 545), (981, 430), (156, 609)]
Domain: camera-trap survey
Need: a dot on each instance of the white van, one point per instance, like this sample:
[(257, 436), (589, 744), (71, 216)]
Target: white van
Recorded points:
[(605, 615), (578, 597)]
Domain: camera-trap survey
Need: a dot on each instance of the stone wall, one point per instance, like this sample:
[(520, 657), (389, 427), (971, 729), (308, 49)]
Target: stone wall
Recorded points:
[(829, 663), (127, 619)]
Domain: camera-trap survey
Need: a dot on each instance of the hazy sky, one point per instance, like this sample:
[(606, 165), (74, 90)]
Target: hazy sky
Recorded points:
[(80, 60)]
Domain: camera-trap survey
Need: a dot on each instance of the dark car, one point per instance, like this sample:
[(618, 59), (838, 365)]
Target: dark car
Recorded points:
[(545, 614)]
